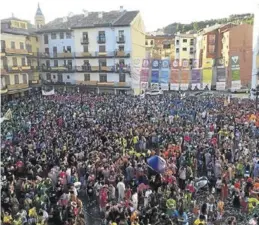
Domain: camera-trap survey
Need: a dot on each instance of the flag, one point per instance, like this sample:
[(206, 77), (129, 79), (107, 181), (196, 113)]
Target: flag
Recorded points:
[(8, 115)]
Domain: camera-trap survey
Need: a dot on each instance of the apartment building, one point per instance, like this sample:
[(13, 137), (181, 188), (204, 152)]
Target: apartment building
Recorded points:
[(160, 46), (185, 47), (94, 50), (18, 64), (237, 42)]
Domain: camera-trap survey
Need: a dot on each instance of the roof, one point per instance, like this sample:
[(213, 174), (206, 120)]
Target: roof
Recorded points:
[(185, 35), (39, 12), (112, 18), (165, 36), (12, 18)]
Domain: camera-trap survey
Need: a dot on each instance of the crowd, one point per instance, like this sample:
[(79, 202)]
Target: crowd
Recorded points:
[(59, 153)]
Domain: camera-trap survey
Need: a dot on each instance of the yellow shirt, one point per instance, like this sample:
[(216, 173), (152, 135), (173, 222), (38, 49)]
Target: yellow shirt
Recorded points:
[(198, 222)]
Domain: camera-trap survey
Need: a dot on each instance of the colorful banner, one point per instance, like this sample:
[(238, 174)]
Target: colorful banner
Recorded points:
[(195, 76), (185, 64), (155, 64), (221, 74), (144, 86), (146, 63), (164, 76), (195, 64), (165, 64), (185, 76), (155, 76), (235, 73), (206, 78), (174, 78), (220, 86), (144, 75)]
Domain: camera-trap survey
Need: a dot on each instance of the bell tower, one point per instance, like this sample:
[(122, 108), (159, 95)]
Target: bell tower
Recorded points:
[(39, 18)]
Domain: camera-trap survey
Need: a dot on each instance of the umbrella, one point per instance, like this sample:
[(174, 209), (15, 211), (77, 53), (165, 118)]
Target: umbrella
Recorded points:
[(157, 163)]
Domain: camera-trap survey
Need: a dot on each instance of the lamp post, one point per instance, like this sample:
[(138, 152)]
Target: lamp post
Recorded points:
[(255, 92)]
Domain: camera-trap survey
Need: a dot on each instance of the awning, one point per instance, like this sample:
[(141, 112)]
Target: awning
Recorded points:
[(18, 91)]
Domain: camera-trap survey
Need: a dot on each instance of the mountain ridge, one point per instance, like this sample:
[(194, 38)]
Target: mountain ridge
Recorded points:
[(193, 27)]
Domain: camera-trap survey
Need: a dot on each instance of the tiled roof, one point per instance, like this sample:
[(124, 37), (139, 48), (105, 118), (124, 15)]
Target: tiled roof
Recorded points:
[(112, 18)]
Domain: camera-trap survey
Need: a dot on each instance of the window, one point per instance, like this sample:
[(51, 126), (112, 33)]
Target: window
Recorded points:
[(24, 78), (87, 77), (146, 43), (191, 42), (121, 33), (211, 48), (69, 49), (21, 45), (191, 51), (102, 62), (22, 25), (86, 62), (103, 77), (122, 62), (121, 48), (53, 36), (7, 80), (85, 36), (47, 63), (46, 50), (46, 39), (16, 79), (102, 48), (56, 63), (151, 42), (68, 35), (177, 42), (23, 62), (12, 45), (36, 39), (167, 46), (29, 62), (190, 62), (177, 50), (68, 77), (184, 40), (29, 48), (61, 35), (60, 77), (184, 49), (85, 48), (122, 77), (2, 45), (48, 76), (54, 76), (14, 61), (55, 50), (102, 35)]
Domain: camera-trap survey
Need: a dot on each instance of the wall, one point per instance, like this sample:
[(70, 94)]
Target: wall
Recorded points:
[(11, 37), (240, 44)]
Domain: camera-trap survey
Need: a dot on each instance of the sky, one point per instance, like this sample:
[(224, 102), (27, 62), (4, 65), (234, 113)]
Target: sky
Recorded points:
[(156, 14)]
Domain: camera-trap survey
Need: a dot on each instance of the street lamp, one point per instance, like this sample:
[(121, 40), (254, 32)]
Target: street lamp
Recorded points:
[(255, 92)]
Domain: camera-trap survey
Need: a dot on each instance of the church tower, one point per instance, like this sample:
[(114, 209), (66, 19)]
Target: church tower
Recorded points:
[(39, 18)]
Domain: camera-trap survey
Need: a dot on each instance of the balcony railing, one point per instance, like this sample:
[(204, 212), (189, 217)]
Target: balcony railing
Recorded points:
[(17, 86), (65, 55), (16, 51), (101, 39), (26, 67), (120, 39), (84, 41), (112, 69), (57, 68), (34, 82)]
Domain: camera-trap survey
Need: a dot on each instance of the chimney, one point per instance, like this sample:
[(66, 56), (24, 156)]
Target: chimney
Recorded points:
[(85, 13), (100, 15), (121, 9)]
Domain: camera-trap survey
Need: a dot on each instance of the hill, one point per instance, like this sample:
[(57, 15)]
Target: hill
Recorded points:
[(195, 26)]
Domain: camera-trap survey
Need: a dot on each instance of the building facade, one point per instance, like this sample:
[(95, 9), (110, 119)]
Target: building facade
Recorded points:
[(19, 66), (160, 47), (185, 47), (95, 50)]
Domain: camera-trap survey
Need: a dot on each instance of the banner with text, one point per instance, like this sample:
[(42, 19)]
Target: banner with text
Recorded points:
[(221, 78), (174, 76), (235, 73), (206, 78), (164, 74), (196, 78)]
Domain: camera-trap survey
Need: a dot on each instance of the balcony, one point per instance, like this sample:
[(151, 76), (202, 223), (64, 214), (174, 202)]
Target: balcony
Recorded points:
[(44, 55), (122, 84), (120, 39), (84, 41), (35, 82), (122, 54), (64, 55), (17, 87), (25, 67), (93, 82), (86, 54), (16, 51), (112, 69), (101, 39), (64, 68), (102, 53), (105, 83)]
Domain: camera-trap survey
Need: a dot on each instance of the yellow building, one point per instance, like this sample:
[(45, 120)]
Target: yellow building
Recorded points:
[(185, 47), (17, 45), (160, 46)]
